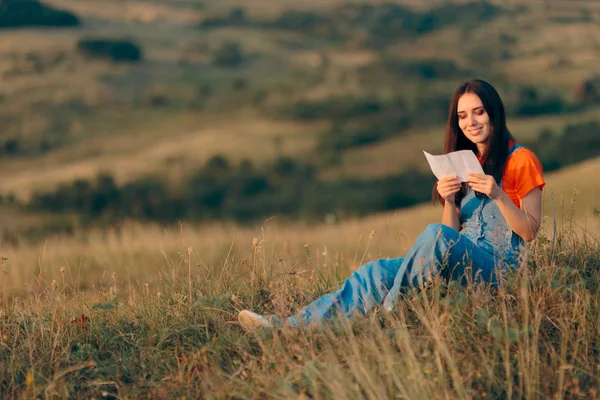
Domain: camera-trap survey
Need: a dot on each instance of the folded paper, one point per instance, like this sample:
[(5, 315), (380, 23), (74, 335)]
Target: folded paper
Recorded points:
[(460, 163)]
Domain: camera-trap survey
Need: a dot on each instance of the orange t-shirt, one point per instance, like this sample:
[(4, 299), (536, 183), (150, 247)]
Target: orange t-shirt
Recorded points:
[(523, 172)]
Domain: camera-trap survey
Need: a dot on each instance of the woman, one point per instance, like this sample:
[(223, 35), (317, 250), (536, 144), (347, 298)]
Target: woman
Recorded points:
[(485, 223)]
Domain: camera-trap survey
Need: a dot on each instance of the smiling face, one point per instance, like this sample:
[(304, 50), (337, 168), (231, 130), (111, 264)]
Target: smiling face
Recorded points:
[(474, 121)]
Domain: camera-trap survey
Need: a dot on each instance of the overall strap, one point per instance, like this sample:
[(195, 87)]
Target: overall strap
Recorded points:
[(513, 148)]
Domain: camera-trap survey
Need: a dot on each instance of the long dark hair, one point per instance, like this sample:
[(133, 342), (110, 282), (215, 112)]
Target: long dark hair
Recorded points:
[(496, 153)]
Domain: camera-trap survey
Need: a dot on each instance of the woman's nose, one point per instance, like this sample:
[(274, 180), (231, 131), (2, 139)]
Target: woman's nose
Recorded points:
[(472, 120)]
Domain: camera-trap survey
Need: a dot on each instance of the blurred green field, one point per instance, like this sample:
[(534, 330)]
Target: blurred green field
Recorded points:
[(75, 117), (75, 104)]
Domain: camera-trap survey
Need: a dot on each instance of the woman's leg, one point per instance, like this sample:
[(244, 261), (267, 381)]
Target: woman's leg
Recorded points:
[(441, 249), (438, 247), (362, 291)]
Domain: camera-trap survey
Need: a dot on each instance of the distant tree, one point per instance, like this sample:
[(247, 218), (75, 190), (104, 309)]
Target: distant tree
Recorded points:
[(532, 102), (577, 142), (217, 165), (11, 147), (588, 91), (237, 17), (229, 54), (24, 13), (116, 50)]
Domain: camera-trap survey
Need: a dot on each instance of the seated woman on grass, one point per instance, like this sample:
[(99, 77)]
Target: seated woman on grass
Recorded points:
[(485, 223)]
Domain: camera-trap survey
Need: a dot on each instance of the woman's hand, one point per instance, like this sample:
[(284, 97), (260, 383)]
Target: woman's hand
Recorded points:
[(485, 184), (447, 187)]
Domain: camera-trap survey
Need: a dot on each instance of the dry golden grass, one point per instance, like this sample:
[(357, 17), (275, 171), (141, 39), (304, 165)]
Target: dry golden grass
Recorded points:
[(152, 312), (141, 252), (534, 335)]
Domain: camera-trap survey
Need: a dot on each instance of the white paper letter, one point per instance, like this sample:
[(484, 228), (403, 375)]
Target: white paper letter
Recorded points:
[(459, 163), (440, 165)]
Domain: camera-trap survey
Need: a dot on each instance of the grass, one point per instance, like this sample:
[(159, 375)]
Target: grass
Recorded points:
[(149, 311), (155, 318), (147, 249)]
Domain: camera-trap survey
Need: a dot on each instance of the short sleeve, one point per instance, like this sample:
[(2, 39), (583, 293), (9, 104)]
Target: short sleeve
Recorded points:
[(525, 172)]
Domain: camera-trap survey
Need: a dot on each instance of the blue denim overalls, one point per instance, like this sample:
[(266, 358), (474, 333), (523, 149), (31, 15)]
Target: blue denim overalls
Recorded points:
[(483, 223), (485, 243)]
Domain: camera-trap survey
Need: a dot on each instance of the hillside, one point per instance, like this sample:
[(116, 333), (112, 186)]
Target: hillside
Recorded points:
[(350, 89), (570, 202), (165, 164)]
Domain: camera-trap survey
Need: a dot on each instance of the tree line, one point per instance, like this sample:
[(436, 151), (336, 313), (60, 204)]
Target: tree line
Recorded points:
[(375, 24), (221, 190), (245, 192)]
